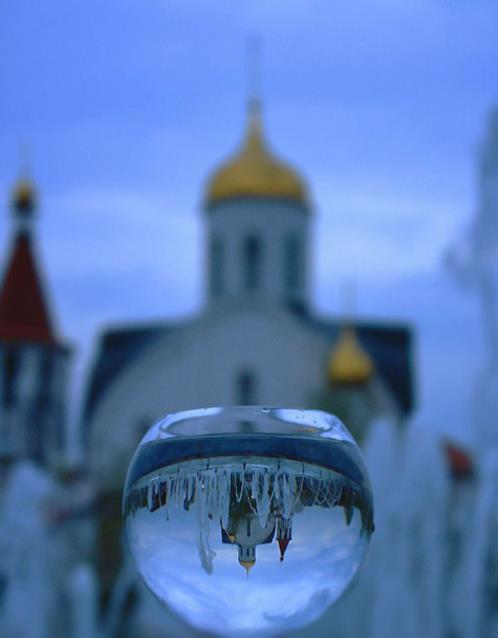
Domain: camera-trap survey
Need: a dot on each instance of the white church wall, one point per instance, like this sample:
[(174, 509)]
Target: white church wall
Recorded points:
[(272, 222), (197, 366)]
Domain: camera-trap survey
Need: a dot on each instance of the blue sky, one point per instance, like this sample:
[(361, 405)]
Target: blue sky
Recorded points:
[(128, 105)]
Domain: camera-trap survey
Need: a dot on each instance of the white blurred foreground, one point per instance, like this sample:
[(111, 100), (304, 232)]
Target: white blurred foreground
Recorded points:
[(430, 570)]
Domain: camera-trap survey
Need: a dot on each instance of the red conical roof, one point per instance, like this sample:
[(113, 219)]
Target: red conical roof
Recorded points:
[(282, 543), (24, 314)]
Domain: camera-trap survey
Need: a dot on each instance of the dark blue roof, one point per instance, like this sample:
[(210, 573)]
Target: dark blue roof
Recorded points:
[(116, 348), (390, 346)]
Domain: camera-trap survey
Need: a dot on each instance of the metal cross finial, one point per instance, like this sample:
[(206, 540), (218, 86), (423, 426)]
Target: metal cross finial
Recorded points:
[(25, 154), (254, 70), (348, 300)]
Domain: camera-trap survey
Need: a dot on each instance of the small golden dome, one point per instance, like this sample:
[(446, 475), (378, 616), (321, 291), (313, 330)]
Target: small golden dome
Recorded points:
[(349, 363), (254, 171), (24, 196), (247, 564)]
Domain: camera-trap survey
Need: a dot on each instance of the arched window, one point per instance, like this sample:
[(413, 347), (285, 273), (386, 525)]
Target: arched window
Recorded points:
[(291, 263), (252, 263), (217, 266), (10, 376), (246, 388)]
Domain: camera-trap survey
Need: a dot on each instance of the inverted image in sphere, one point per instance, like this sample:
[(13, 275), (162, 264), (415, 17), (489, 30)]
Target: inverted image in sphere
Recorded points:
[(248, 521)]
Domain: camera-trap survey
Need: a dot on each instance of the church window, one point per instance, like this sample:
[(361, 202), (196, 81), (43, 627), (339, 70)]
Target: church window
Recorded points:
[(252, 258), (246, 388), (37, 434), (10, 377), (291, 263), (47, 369), (217, 266)]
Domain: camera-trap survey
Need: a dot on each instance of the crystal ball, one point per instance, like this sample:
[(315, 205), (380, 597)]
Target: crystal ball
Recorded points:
[(248, 520)]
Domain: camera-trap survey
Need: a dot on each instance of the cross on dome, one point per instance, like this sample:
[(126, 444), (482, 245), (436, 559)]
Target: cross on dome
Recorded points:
[(254, 171)]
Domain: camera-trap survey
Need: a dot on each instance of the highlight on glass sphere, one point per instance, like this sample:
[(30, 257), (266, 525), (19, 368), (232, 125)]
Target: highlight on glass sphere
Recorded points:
[(248, 520)]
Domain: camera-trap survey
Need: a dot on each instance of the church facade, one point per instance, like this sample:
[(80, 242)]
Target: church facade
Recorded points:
[(34, 362), (257, 339)]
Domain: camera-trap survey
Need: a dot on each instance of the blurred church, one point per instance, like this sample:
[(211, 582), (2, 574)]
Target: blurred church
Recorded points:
[(257, 340), (34, 367)]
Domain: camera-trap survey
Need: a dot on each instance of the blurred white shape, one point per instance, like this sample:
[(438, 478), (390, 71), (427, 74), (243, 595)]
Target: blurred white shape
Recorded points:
[(404, 575), (26, 547), (83, 590), (474, 258)]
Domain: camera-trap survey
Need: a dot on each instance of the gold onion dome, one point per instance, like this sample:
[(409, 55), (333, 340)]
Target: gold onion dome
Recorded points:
[(247, 564), (349, 363), (254, 171), (24, 196)]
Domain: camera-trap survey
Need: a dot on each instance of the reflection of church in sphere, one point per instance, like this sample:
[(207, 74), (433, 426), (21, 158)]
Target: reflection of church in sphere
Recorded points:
[(34, 361), (254, 499), (257, 339), (247, 532)]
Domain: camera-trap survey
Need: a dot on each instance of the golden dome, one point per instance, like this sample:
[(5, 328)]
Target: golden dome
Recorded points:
[(254, 171), (247, 564), (24, 196), (349, 363)]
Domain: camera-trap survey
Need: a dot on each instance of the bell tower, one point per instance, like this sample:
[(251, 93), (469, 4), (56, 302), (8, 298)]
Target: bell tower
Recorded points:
[(257, 225), (33, 361)]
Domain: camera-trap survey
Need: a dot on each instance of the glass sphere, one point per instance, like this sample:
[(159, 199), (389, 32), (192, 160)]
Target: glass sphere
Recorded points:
[(248, 521)]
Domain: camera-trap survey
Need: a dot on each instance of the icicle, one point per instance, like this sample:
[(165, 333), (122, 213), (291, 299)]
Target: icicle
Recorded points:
[(206, 554), (264, 502), (239, 476), (224, 499), (287, 497), (254, 485)]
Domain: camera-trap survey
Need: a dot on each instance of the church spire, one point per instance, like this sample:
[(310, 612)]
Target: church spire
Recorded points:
[(254, 171), (23, 199), (24, 313)]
